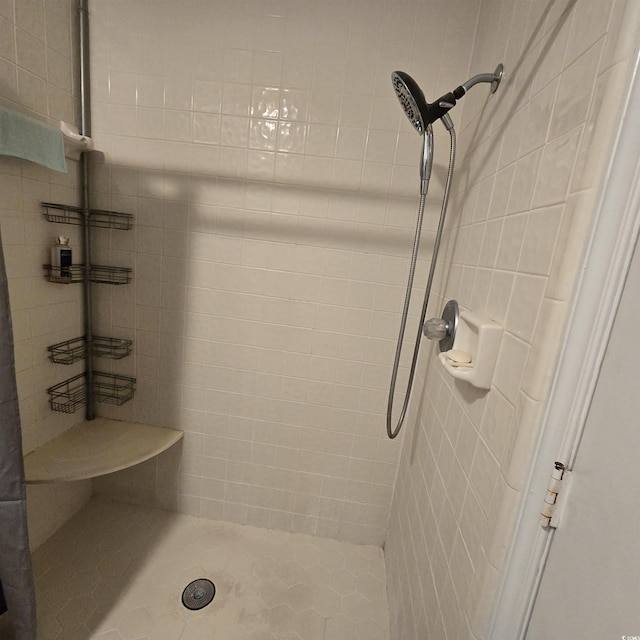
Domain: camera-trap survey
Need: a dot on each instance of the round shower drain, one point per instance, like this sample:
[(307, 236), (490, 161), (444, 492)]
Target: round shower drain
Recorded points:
[(198, 594)]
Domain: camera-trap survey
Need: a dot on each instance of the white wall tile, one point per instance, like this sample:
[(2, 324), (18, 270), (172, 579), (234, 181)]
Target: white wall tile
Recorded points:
[(523, 183), (575, 91), (8, 46), (556, 168), (589, 25), (511, 240), (512, 360), (30, 53), (524, 306)]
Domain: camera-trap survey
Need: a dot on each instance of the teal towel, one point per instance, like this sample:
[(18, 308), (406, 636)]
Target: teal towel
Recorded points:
[(31, 139)]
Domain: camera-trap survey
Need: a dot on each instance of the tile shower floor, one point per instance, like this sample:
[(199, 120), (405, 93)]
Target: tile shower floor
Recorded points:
[(117, 572)]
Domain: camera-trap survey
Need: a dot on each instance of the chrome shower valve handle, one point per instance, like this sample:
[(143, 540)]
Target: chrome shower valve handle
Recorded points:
[(443, 329), (436, 329)]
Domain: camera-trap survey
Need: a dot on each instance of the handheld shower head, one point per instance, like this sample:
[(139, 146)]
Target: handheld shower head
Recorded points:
[(420, 113), (411, 99), (416, 109)]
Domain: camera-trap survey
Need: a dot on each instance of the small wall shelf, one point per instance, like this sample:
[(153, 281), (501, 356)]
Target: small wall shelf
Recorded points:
[(65, 275), (113, 348), (71, 394), (68, 396), (113, 389), (96, 273), (99, 218), (109, 275), (95, 448), (70, 351)]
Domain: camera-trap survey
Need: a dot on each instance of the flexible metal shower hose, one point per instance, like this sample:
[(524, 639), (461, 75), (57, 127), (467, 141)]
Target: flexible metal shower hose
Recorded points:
[(392, 433)]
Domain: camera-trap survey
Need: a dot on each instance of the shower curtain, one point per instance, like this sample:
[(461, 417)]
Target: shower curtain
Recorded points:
[(16, 581)]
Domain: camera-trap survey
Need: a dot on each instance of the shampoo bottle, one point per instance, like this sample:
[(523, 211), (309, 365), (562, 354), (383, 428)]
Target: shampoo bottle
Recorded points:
[(61, 259)]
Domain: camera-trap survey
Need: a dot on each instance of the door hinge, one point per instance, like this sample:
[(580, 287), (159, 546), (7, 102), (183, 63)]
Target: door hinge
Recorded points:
[(556, 495)]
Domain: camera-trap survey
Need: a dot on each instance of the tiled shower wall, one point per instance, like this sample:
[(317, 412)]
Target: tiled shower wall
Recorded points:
[(274, 180), (37, 78), (526, 190)]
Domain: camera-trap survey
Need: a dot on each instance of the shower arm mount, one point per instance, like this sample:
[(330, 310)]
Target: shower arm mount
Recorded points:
[(439, 108), (494, 78)]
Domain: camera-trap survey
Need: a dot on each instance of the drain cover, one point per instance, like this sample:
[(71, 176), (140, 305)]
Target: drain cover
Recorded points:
[(198, 594)]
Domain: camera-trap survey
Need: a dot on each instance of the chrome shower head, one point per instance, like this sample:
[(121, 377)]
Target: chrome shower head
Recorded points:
[(411, 99)]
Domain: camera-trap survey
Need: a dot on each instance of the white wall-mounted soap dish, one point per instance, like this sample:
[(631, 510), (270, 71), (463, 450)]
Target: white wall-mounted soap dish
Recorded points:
[(471, 346)]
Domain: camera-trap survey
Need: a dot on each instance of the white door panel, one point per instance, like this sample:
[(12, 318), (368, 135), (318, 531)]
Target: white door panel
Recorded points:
[(590, 589)]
